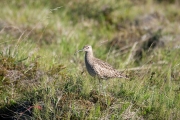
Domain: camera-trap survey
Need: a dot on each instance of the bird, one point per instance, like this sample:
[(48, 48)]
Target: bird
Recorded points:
[(99, 68)]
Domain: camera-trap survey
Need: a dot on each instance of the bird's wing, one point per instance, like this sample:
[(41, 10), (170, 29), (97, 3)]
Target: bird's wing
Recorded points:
[(104, 70), (103, 64)]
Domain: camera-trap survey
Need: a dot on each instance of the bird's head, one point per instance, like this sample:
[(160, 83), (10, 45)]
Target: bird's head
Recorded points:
[(87, 48)]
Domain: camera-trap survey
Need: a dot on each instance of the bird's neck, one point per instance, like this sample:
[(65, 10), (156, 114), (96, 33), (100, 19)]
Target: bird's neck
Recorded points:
[(89, 55)]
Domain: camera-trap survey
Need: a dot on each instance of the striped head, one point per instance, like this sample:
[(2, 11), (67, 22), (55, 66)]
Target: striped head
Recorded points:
[(87, 48)]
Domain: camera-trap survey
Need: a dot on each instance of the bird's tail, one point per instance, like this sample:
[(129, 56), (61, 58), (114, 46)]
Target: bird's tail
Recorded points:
[(121, 75)]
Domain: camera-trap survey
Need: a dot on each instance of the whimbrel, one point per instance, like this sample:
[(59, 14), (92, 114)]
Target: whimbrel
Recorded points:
[(97, 67)]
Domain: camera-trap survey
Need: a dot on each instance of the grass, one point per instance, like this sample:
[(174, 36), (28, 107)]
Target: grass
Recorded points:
[(41, 78)]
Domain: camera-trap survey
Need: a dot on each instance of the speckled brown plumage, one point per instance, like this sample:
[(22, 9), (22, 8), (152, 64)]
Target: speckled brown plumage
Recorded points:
[(99, 68)]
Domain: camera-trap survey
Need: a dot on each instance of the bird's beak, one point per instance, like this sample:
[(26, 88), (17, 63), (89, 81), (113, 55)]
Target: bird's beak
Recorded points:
[(78, 51)]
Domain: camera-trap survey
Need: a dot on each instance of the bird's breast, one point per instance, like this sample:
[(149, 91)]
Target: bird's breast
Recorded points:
[(89, 67)]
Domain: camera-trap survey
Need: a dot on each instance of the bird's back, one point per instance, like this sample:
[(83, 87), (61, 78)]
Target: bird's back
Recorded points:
[(104, 70)]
